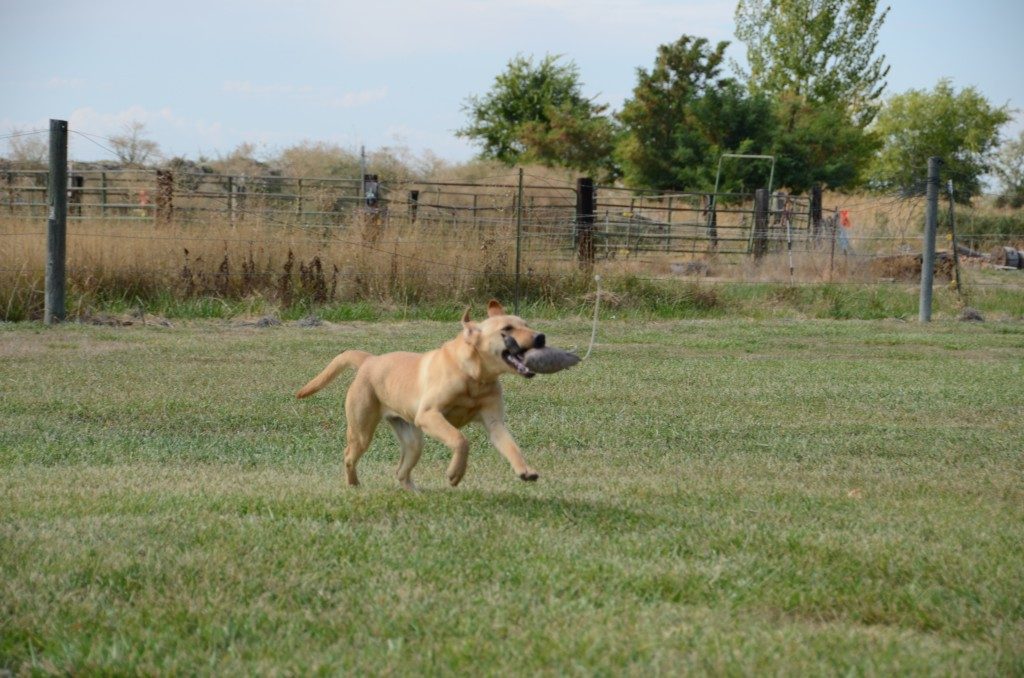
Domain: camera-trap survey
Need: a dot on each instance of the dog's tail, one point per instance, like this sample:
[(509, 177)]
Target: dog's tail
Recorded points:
[(346, 359)]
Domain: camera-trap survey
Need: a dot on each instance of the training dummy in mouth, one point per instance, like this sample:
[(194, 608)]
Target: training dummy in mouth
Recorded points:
[(549, 360)]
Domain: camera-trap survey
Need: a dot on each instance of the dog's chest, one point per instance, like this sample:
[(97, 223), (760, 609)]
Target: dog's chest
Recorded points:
[(465, 406)]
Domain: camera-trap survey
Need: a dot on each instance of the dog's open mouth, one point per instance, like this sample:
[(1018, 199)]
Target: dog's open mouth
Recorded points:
[(516, 361)]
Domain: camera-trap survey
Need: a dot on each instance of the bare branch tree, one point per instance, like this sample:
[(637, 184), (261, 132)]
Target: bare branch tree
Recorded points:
[(31, 149), (131, 148)]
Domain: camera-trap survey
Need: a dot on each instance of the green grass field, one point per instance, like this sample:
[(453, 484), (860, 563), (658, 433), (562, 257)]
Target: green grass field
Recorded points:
[(716, 496)]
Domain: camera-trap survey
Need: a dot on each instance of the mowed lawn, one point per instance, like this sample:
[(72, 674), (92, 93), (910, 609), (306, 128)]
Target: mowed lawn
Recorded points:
[(715, 496)]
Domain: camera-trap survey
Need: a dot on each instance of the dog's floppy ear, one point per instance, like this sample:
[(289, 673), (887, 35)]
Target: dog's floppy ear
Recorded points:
[(494, 308), (469, 328)]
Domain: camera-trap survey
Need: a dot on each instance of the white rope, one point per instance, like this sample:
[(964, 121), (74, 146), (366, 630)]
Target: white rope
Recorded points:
[(597, 304)]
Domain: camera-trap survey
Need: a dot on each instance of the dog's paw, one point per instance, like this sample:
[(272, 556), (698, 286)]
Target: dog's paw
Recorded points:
[(529, 476)]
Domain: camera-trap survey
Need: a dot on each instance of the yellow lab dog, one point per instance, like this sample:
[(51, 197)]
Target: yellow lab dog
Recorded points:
[(437, 393)]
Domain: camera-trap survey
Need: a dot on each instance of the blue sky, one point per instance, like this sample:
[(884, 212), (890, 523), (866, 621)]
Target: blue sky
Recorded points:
[(206, 76)]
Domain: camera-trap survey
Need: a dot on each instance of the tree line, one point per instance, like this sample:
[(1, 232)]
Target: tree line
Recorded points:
[(813, 95)]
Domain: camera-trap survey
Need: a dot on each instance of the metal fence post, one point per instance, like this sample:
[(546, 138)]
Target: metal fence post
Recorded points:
[(57, 224), (519, 234), (834, 228), (952, 238), (928, 255)]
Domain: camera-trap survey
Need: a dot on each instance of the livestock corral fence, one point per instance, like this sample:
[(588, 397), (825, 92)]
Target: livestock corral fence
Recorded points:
[(379, 238), (551, 217)]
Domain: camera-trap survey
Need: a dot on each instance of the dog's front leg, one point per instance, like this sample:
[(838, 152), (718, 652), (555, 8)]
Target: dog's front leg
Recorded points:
[(436, 426), (500, 437)]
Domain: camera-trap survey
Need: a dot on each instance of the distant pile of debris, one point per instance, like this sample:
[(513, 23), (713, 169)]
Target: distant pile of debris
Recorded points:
[(1007, 258), (907, 267)]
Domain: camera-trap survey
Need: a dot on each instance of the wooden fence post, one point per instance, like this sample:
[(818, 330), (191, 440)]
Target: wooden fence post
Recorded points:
[(816, 211), (76, 182), (760, 235), (585, 204), (164, 196), (9, 177), (668, 226), (103, 194), (712, 217)]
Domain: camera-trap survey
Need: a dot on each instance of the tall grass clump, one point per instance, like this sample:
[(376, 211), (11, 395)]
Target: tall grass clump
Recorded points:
[(364, 266), (986, 230), (379, 261), (666, 298)]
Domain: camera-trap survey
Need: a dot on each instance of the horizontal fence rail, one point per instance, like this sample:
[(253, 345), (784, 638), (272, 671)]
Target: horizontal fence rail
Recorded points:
[(626, 223), (669, 234)]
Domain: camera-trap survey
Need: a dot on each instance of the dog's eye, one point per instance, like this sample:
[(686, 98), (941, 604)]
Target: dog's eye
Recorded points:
[(506, 328)]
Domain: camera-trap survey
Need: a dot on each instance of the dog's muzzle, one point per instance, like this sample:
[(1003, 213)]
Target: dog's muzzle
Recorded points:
[(513, 355)]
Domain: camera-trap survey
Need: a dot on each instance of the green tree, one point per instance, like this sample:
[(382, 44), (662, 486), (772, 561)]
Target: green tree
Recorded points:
[(818, 143), (567, 139), (821, 50), (1008, 167), (961, 128), (684, 114), (537, 113), (816, 59)]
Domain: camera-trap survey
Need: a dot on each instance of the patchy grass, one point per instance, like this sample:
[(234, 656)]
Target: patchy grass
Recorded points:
[(719, 496)]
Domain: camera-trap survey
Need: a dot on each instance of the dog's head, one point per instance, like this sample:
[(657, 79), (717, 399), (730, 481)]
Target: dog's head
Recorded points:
[(501, 339)]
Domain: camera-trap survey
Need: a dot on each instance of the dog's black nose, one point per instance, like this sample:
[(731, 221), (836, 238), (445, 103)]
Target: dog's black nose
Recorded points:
[(538, 341)]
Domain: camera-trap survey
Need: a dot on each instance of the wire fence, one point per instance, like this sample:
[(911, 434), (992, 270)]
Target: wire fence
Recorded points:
[(202, 232)]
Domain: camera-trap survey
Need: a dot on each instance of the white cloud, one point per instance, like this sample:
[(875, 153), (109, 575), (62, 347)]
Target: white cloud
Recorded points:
[(57, 82), (174, 133), (317, 96), (247, 88), (397, 27), (90, 120), (357, 99)]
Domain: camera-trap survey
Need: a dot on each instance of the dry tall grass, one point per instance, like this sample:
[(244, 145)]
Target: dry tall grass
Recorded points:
[(394, 261)]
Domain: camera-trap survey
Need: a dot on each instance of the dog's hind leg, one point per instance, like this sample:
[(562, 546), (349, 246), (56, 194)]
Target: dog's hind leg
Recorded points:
[(362, 412), (410, 439)]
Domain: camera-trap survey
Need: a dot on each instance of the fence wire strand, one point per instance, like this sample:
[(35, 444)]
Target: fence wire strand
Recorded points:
[(629, 226)]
